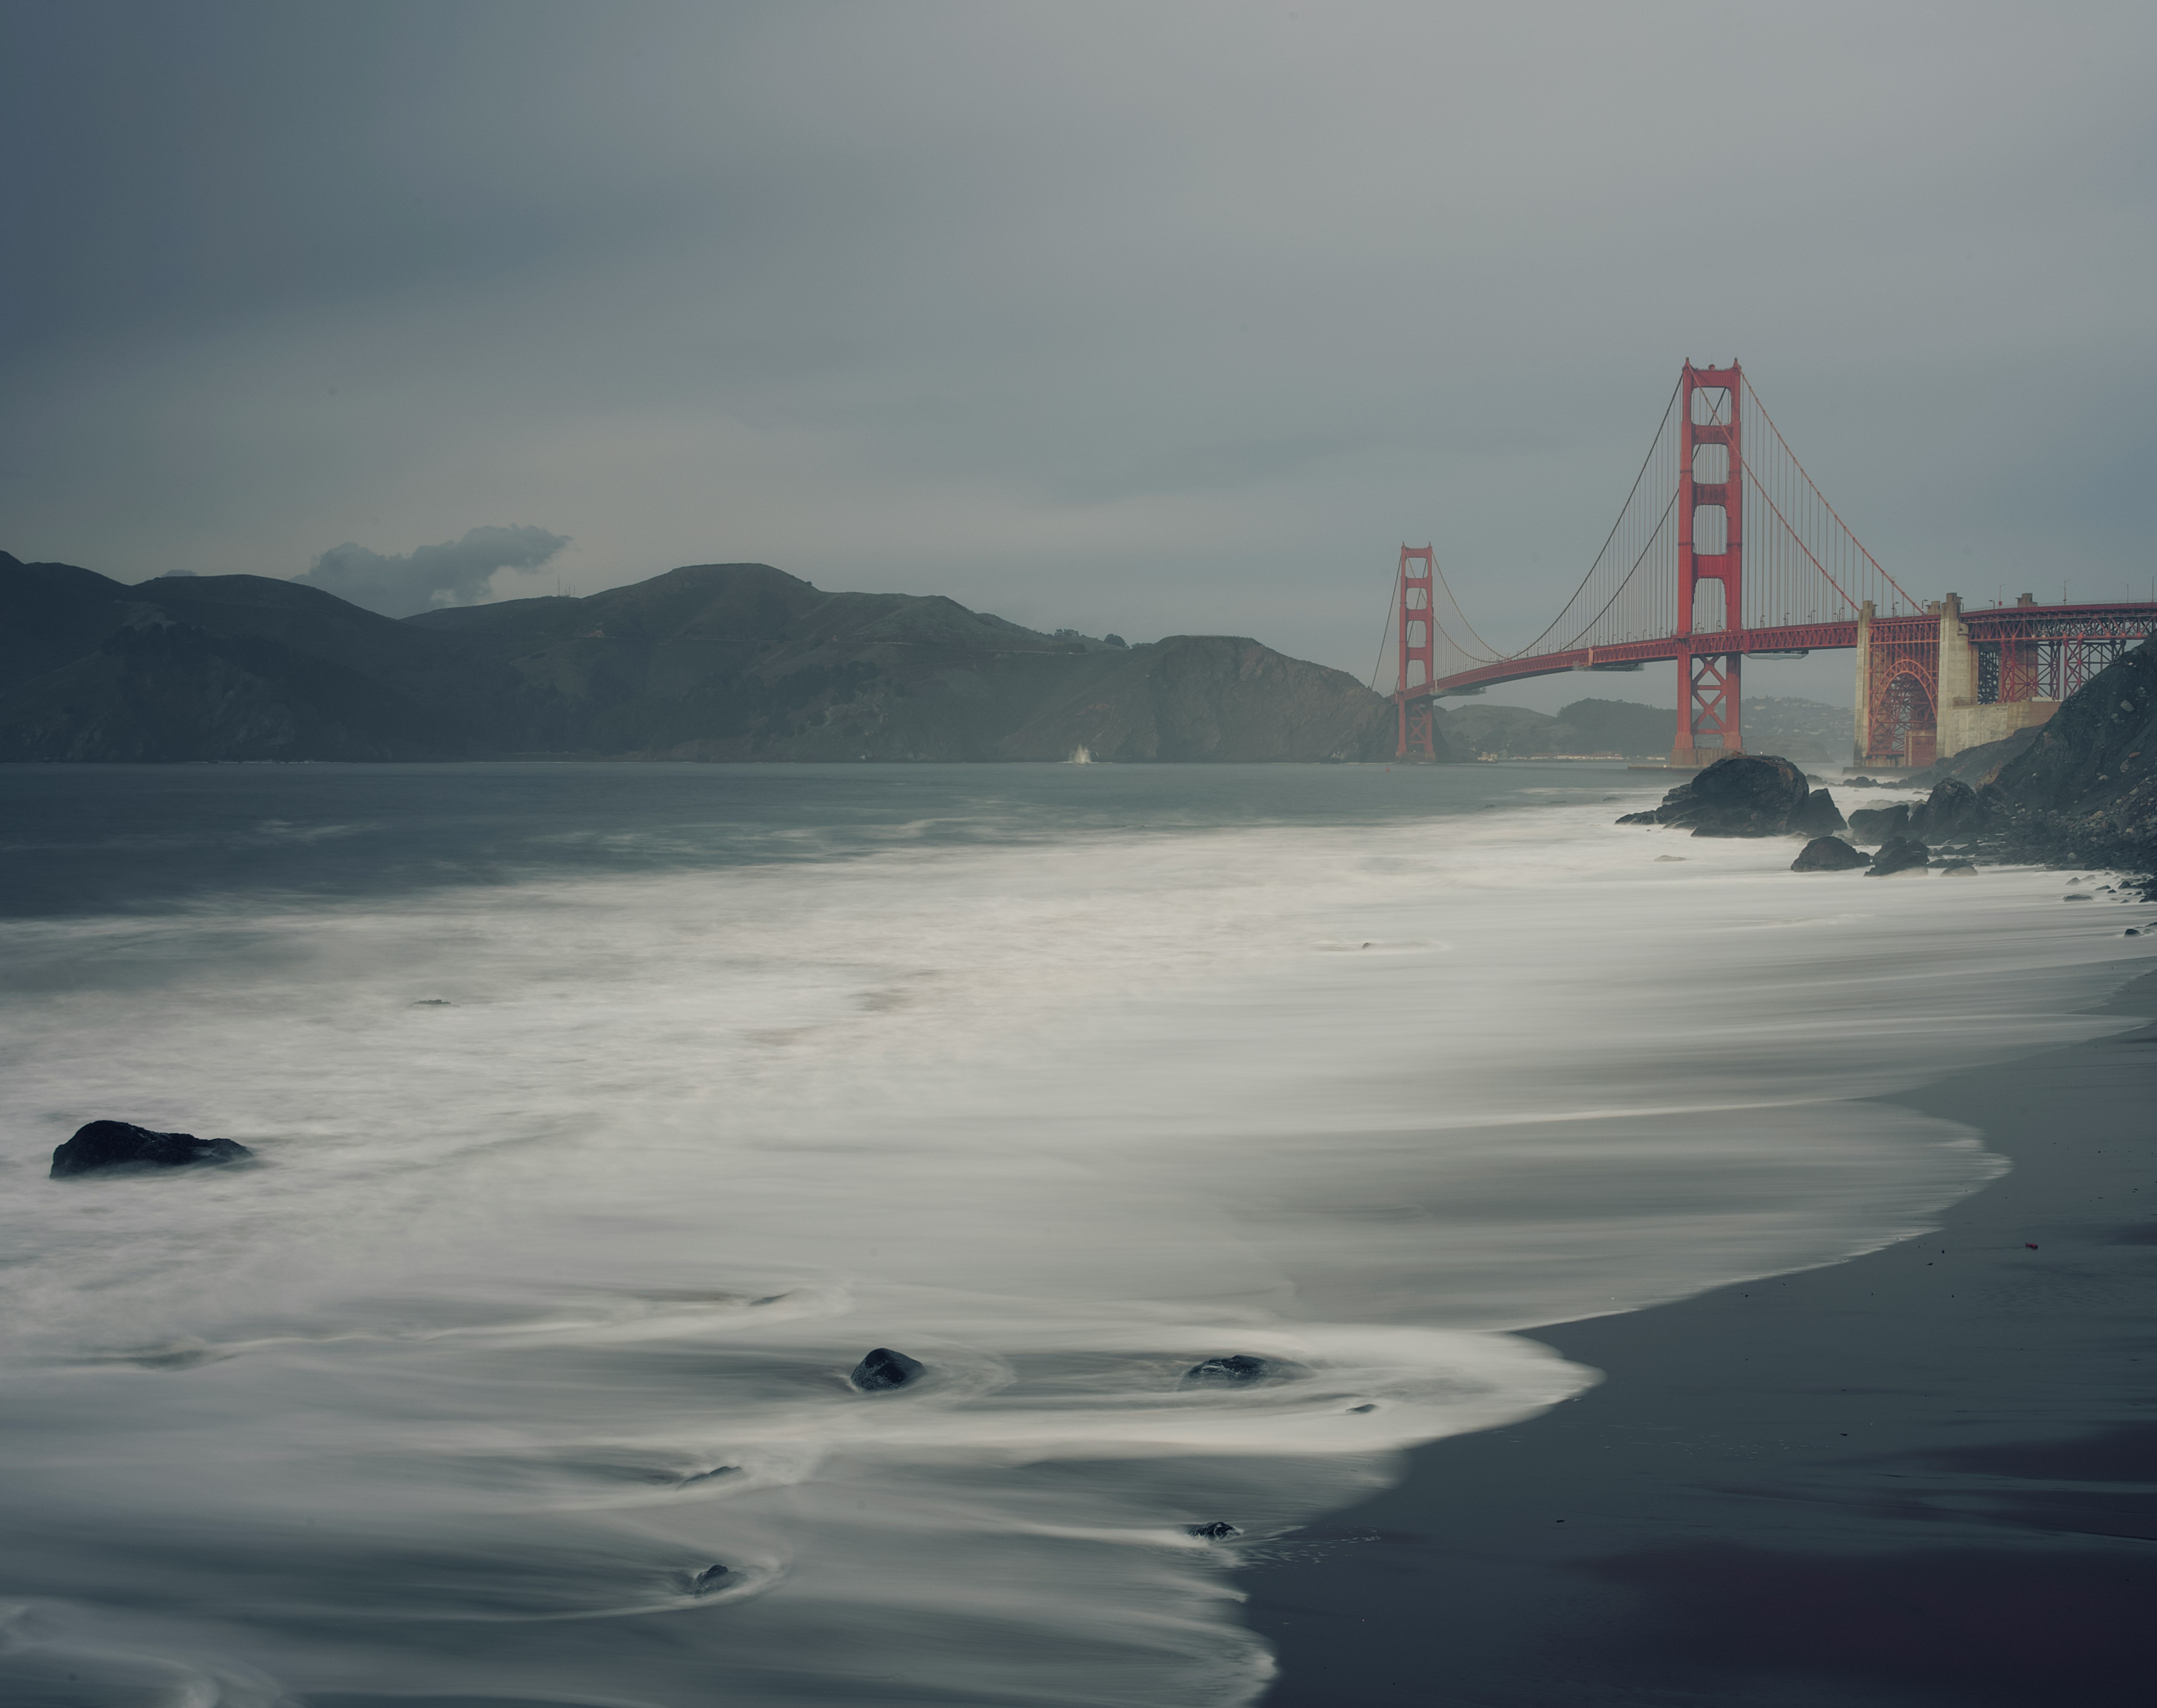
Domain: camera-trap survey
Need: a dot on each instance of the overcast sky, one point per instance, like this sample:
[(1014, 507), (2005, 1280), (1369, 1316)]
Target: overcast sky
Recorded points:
[(1153, 318)]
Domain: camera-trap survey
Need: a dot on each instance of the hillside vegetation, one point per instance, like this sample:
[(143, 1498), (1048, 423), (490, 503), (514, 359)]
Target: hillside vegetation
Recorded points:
[(712, 661), (1807, 730)]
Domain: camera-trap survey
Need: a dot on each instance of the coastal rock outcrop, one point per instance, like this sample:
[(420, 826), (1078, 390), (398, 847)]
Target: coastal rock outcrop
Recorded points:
[(120, 1144), (883, 1369), (1951, 810), (1829, 854), (2084, 790), (1818, 817), (1900, 854), (1741, 795), (1880, 824)]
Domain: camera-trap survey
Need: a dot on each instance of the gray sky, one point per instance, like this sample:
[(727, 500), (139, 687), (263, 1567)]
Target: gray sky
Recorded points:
[(1150, 317)]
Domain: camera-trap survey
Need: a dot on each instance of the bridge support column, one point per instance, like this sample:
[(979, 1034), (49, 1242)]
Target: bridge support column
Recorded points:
[(1860, 743), (1417, 621), (1711, 504), (1709, 693)]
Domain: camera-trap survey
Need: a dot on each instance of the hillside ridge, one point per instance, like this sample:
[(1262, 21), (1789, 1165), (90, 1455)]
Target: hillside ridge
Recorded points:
[(708, 661)]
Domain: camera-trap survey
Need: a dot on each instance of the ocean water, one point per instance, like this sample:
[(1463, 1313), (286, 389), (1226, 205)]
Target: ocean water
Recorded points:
[(606, 1116)]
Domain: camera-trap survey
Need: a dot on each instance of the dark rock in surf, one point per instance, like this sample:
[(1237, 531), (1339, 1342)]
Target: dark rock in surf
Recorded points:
[(711, 1578), (1880, 824), (1237, 1367), (1951, 810), (884, 1368), (2085, 897), (1900, 854), (1829, 854), (1959, 868), (1215, 1532), (1740, 795), (1819, 816), (117, 1145)]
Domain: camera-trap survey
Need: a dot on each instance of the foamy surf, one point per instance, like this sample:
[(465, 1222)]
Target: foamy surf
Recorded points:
[(520, 1365)]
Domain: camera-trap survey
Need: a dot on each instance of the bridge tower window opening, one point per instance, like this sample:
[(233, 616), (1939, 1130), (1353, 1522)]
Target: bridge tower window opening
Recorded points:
[(1711, 530), (1710, 405)]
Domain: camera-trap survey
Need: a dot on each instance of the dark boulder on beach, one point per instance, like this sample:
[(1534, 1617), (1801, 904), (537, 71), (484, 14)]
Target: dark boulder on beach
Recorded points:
[(1818, 817), (1740, 795), (1951, 810), (1237, 1367), (117, 1145), (884, 1368), (1880, 824), (1900, 854), (1829, 854), (1959, 868)]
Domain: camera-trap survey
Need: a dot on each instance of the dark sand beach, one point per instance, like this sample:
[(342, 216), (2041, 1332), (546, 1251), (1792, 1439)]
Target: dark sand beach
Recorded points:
[(1927, 1476)]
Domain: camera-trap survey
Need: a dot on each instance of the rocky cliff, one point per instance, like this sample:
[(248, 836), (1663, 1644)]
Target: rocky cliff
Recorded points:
[(2084, 790), (713, 662)]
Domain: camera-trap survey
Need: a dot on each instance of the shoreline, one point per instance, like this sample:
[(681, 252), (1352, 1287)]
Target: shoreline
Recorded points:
[(1922, 1477)]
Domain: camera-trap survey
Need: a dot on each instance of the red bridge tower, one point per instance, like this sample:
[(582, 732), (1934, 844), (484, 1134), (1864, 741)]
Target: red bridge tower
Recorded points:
[(1418, 654), (1711, 547)]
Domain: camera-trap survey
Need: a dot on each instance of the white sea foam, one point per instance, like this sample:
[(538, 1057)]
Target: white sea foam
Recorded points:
[(543, 1301)]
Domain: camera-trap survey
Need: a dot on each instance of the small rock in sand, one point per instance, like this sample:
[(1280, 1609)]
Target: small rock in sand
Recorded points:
[(1900, 854), (1828, 854), (884, 1368), (1237, 1367)]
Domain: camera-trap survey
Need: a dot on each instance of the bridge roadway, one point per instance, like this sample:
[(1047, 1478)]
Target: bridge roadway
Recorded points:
[(1994, 623), (1927, 686)]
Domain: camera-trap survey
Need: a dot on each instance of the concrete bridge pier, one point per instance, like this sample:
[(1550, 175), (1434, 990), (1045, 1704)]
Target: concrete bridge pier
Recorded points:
[(1921, 700), (1965, 721)]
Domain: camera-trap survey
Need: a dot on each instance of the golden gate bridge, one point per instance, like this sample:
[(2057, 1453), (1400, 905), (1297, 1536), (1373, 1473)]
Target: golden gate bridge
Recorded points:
[(1726, 550)]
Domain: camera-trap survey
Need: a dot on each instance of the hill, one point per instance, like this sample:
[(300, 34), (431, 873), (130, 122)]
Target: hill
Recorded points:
[(1807, 730), (712, 661)]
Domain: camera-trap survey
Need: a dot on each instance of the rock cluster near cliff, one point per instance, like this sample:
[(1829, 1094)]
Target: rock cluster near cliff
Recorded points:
[(2080, 790), (714, 661)]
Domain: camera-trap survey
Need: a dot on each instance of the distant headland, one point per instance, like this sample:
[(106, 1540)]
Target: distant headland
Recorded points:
[(715, 662)]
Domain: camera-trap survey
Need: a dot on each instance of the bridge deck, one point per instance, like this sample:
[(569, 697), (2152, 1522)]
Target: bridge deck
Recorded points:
[(2123, 621)]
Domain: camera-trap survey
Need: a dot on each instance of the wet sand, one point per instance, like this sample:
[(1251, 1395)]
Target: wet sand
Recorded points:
[(1927, 1476)]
